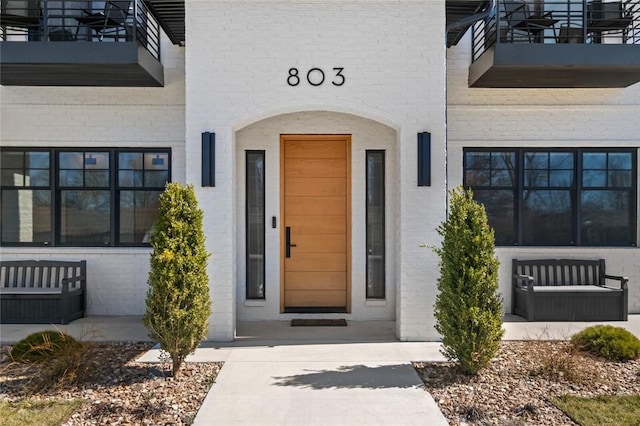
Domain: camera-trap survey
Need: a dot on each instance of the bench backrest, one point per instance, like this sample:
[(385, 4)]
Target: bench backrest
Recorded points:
[(39, 273), (557, 272)]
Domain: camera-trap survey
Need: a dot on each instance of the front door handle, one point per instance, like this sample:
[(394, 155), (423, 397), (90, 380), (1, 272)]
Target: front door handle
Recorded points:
[(288, 245)]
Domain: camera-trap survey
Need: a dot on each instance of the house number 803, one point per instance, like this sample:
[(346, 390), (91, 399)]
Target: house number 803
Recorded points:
[(315, 77)]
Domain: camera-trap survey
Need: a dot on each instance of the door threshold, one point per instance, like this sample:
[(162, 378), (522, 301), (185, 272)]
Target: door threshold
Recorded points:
[(315, 310)]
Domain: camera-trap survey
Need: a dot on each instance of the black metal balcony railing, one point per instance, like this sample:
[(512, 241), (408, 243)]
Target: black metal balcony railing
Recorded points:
[(80, 21), (558, 22)]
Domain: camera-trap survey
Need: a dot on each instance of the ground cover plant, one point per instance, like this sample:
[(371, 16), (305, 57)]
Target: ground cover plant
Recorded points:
[(36, 413), (601, 410)]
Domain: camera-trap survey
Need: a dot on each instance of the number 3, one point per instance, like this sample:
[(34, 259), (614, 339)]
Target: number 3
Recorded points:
[(338, 74)]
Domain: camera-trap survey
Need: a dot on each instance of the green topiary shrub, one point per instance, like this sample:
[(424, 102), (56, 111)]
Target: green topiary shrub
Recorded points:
[(178, 304), (42, 346), (612, 343), (468, 308)]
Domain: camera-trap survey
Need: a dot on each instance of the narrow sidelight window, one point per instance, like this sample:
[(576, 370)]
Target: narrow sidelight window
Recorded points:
[(255, 225), (375, 225)]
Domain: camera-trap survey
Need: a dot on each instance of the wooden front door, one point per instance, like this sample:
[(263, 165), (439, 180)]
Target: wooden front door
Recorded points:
[(315, 207)]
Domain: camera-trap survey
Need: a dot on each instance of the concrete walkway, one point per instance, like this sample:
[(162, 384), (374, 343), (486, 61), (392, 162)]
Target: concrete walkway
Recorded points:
[(275, 374)]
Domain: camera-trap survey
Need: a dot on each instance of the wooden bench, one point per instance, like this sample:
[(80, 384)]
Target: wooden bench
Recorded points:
[(567, 290), (42, 292)]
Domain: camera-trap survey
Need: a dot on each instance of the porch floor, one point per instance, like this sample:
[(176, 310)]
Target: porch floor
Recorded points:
[(130, 328)]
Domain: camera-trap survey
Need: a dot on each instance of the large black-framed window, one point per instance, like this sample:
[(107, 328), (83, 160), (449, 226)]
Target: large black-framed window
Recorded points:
[(557, 197), (255, 224), (76, 197), (375, 222)]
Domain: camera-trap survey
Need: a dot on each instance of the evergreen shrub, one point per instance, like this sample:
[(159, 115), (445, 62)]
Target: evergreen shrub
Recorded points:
[(468, 307), (178, 304)]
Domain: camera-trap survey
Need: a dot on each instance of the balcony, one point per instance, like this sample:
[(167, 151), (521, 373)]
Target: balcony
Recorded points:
[(557, 44), (79, 43)]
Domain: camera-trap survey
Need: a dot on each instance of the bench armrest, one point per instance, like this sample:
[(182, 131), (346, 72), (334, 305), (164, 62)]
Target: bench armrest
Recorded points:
[(623, 280), (519, 277), (66, 282)]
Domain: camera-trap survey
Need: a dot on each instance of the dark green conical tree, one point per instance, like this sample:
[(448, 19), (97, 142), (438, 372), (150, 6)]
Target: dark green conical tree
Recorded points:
[(178, 304), (468, 307)]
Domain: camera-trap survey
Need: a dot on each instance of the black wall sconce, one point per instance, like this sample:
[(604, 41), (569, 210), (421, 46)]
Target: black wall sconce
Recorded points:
[(208, 159), (424, 159)]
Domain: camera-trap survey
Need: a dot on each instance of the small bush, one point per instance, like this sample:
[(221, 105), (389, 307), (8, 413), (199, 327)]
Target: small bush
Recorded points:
[(612, 343), (42, 346), (58, 360), (560, 365)]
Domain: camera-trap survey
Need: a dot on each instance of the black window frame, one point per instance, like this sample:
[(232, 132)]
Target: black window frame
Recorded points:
[(56, 190), (577, 189)]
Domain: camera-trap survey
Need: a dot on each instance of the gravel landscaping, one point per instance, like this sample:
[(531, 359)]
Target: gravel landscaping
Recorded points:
[(516, 389), (120, 391)]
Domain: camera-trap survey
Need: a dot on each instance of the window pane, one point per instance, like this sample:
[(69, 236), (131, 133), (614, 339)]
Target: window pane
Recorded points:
[(499, 205), (12, 177), (476, 178), (255, 226), (547, 218), (561, 160), (156, 161), (130, 160), (375, 225), (536, 160), (96, 160), (592, 160), (71, 178), (26, 216), (620, 179), (606, 218), (620, 161), (536, 178), (594, 178), (503, 160), (70, 160), (478, 160), (85, 217), (561, 178), (130, 178), (12, 159), (138, 212), (37, 160), (156, 179), (37, 177), (96, 178)]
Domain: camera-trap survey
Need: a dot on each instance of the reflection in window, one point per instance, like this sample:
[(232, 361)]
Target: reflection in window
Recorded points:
[(493, 178), (25, 199), (141, 179), (26, 216), (375, 225), (554, 202), (83, 198), (607, 201), (255, 224), (85, 217)]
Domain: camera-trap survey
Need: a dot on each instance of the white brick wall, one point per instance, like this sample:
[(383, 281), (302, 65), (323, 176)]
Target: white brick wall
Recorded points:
[(541, 118), (108, 117), (392, 52)]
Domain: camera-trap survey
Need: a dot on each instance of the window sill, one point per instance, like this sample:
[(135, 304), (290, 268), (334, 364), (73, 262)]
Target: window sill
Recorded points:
[(255, 303), (377, 303)]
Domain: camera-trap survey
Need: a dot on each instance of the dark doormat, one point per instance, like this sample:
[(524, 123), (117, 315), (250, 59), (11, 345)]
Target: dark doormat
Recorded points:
[(319, 322)]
